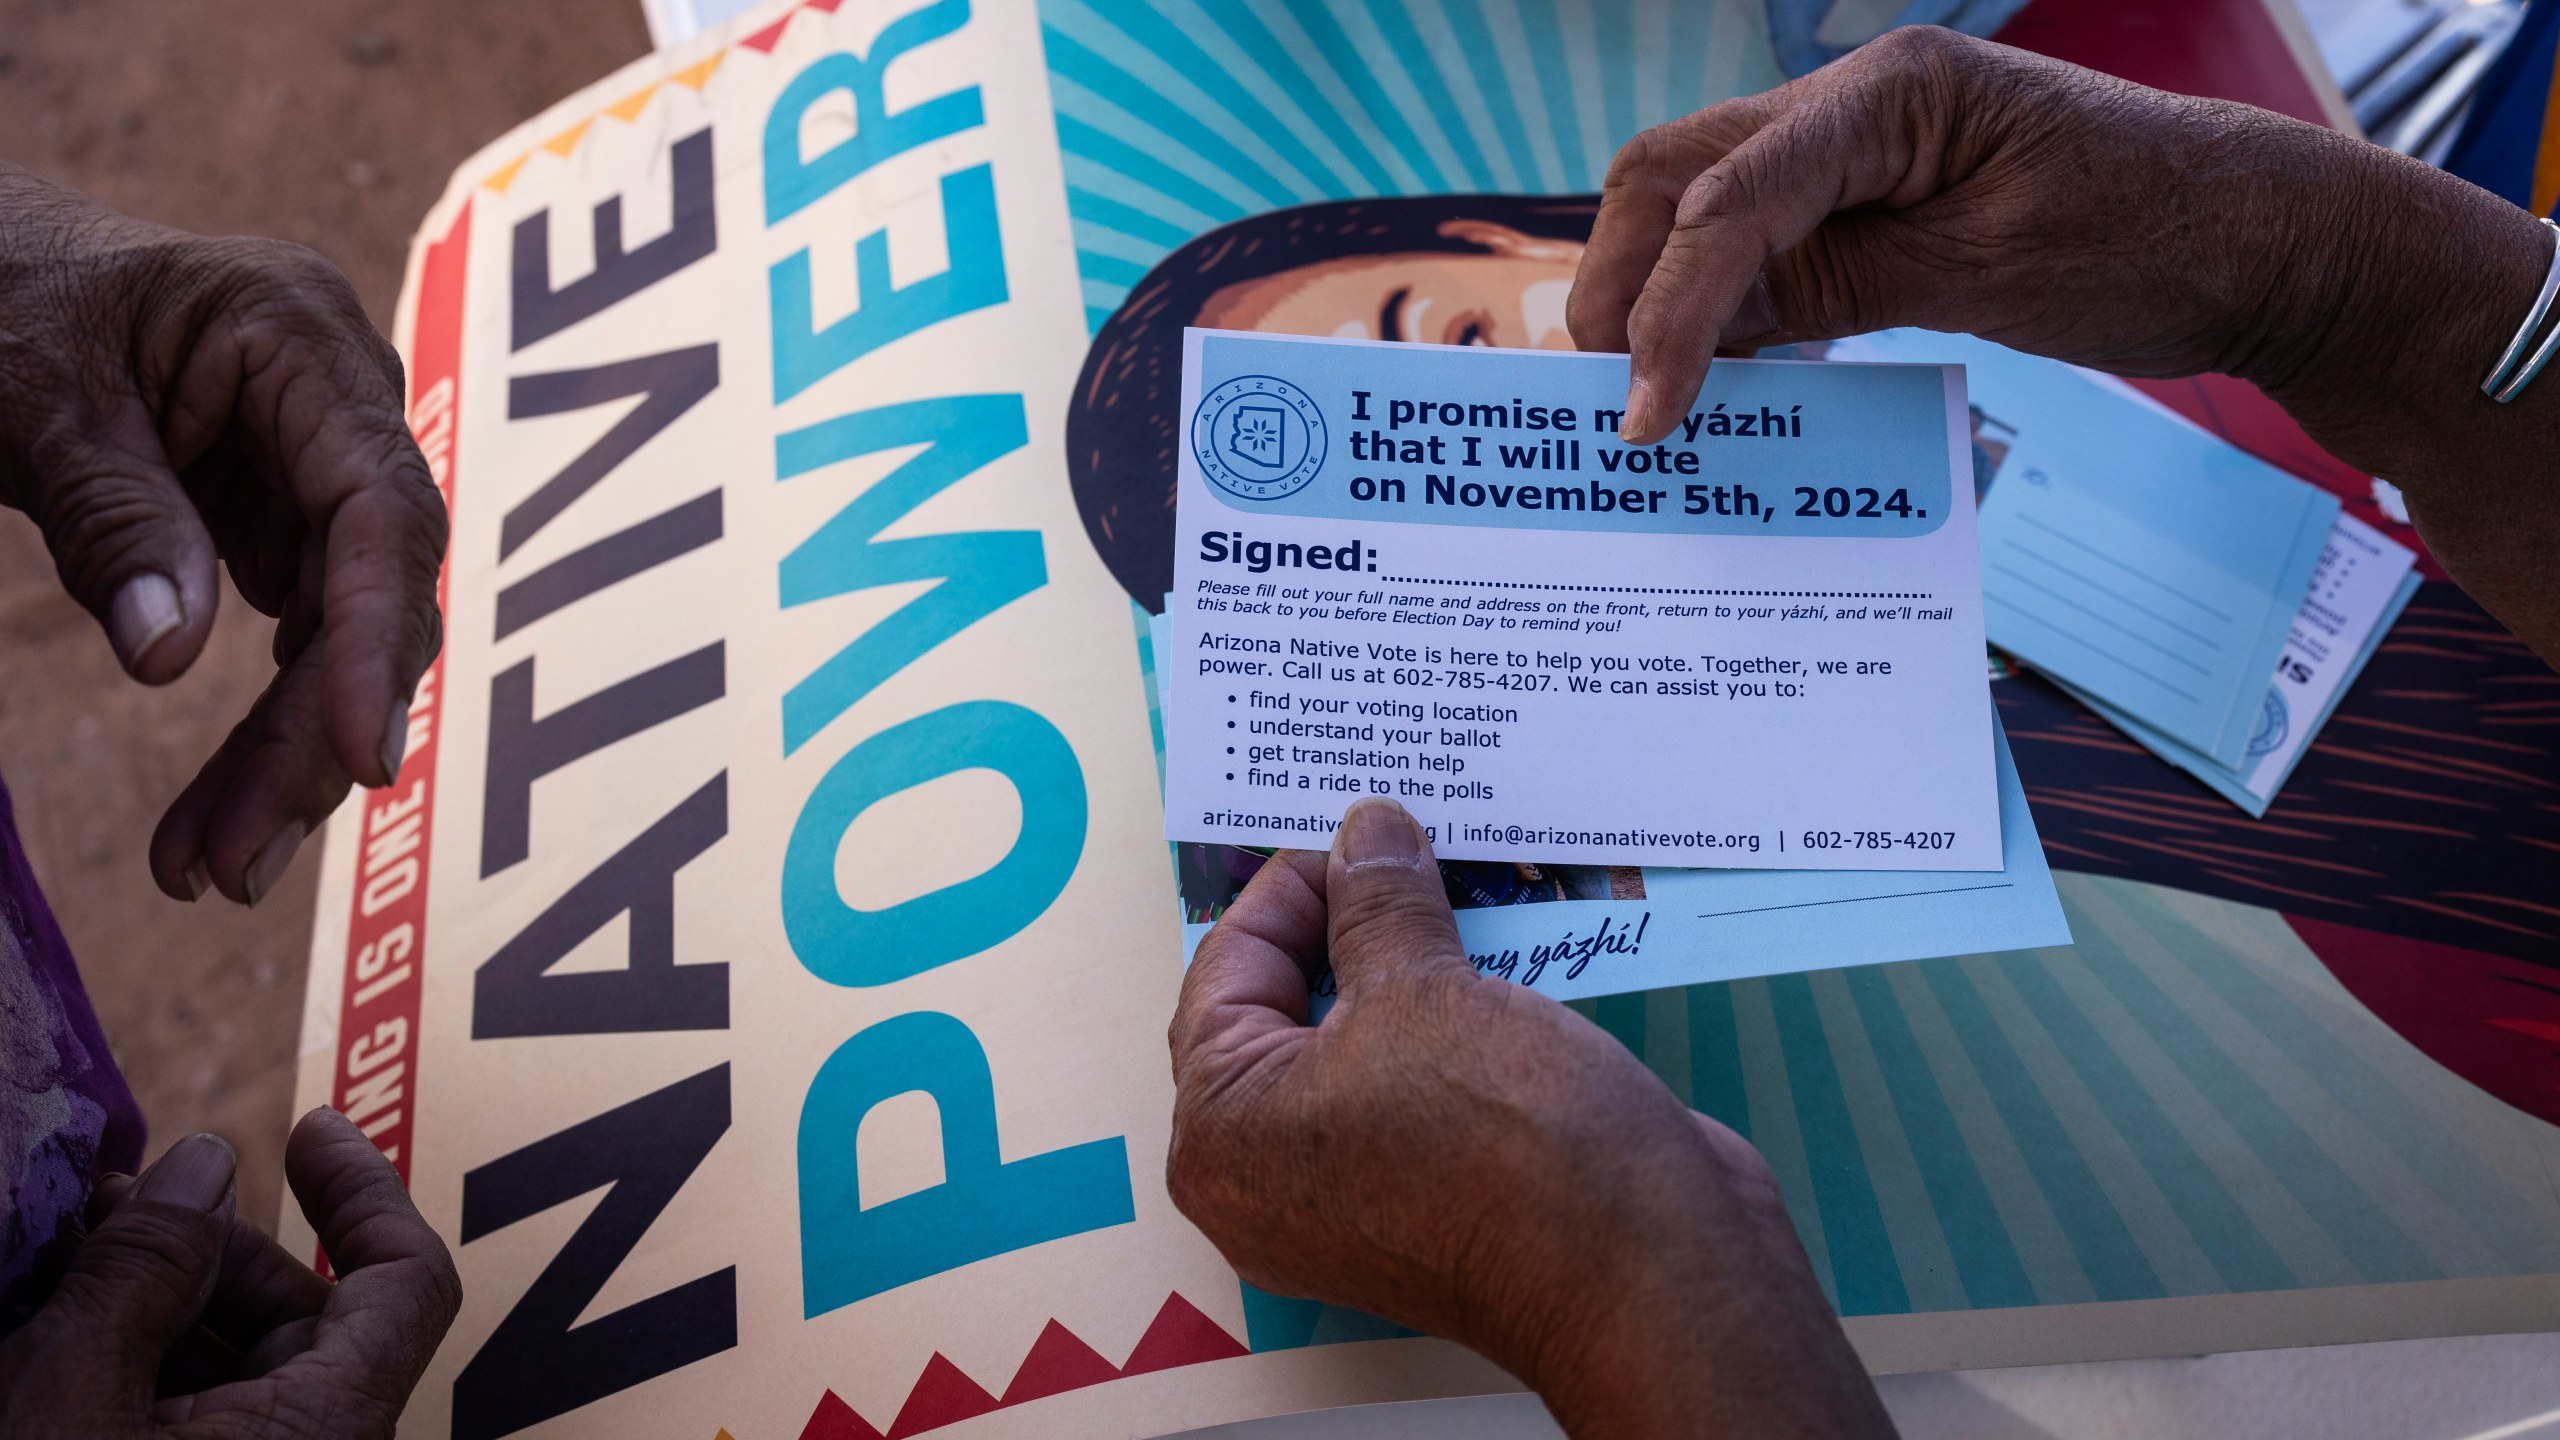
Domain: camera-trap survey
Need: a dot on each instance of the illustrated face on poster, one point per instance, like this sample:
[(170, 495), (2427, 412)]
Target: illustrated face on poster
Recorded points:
[(1439, 269), (1510, 293)]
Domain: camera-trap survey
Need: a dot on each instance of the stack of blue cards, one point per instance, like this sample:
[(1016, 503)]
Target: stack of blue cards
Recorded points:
[(2208, 604)]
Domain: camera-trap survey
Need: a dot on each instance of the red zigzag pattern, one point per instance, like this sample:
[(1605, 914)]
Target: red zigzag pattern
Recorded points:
[(1058, 1362), (765, 39)]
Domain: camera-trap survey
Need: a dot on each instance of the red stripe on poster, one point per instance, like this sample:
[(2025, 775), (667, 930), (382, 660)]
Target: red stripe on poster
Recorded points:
[(376, 1077)]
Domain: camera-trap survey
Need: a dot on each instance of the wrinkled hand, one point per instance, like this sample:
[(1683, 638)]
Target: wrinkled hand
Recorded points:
[(1952, 184), (167, 401), (1469, 1158), (178, 1319)]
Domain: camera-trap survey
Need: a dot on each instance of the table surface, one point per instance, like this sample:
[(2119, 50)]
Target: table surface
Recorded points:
[(2493, 1387)]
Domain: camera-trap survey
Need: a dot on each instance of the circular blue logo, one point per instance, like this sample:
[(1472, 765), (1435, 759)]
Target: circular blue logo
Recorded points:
[(2275, 721), (1258, 437)]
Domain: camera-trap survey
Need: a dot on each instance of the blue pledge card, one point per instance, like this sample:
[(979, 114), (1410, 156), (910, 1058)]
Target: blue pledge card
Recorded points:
[(1436, 573), (2128, 554)]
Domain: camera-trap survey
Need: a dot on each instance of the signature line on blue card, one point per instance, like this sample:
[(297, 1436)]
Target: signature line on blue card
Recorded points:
[(1858, 899), (2079, 544), (2120, 598), (2049, 625)]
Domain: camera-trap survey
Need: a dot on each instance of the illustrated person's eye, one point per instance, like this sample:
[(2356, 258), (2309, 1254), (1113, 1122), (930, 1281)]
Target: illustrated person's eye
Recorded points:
[(1472, 326), (1391, 314)]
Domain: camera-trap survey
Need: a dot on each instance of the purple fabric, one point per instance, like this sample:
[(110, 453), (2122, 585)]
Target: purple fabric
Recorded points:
[(66, 1117)]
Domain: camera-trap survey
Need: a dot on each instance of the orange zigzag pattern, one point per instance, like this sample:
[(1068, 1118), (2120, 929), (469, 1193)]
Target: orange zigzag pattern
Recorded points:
[(627, 109), (1059, 1362)]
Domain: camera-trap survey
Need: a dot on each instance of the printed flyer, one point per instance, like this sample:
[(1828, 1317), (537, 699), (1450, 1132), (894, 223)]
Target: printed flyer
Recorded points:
[(759, 969), (1755, 644)]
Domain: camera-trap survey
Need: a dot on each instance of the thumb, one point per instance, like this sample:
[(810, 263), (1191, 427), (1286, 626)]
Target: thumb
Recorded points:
[(128, 543), (1387, 911), (139, 1281)]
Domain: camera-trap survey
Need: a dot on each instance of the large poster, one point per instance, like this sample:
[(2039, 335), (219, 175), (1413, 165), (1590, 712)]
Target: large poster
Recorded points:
[(760, 967)]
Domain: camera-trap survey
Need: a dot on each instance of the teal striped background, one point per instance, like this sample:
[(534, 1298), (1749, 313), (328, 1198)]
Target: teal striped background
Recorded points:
[(2183, 1103), (1178, 116)]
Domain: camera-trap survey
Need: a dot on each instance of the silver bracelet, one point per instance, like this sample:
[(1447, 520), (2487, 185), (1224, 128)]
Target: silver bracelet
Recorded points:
[(2502, 386)]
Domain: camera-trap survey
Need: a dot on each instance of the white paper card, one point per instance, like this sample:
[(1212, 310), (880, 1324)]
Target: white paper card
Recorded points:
[(2360, 570), (1434, 572)]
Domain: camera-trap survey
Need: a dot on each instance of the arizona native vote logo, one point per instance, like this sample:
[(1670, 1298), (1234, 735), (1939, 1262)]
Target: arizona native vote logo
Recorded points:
[(1258, 437)]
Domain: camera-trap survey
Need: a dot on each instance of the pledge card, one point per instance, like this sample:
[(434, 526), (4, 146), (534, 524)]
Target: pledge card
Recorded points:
[(1435, 573)]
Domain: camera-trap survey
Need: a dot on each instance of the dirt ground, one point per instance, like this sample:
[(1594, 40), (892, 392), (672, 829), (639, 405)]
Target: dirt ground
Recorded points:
[(328, 122)]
